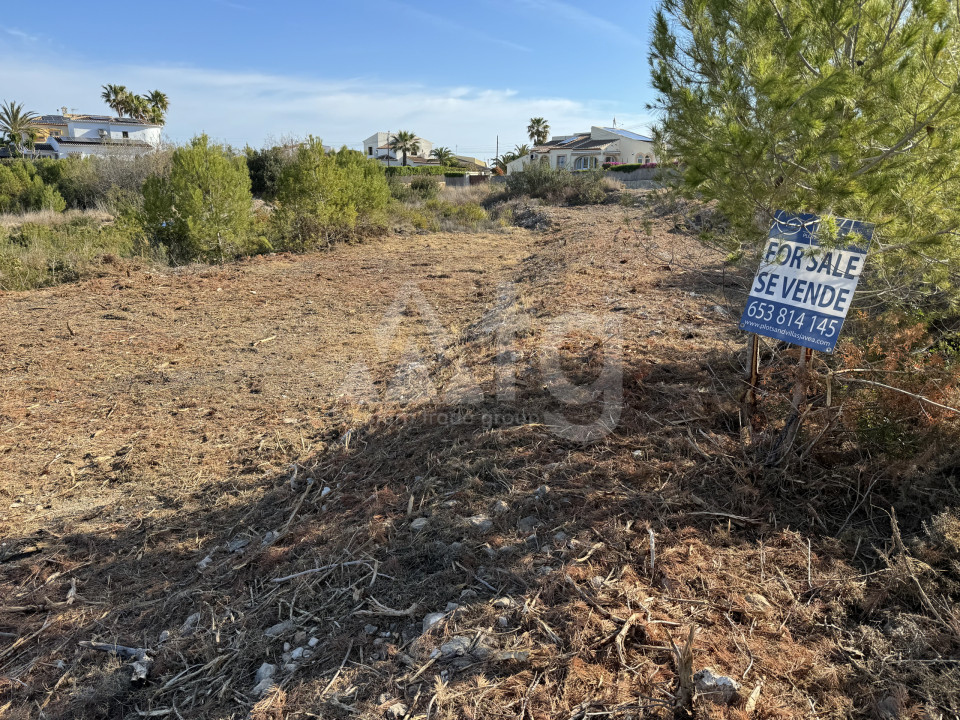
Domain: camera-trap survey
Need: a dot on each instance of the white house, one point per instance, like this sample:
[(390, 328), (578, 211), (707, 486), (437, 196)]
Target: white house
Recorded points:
[(378, 146), (84, 135), (584, 151)]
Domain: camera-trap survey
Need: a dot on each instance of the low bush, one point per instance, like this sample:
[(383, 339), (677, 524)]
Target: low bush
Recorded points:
[(426, 187), (404, 170), (538, 180), (323, 198), (629, 167), (50, 250), (22, 189)]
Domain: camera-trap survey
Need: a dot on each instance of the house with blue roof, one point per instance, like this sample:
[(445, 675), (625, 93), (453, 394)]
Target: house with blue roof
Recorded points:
[(585, 151)]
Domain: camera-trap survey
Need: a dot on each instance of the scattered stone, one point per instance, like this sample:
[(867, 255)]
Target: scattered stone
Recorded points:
[(313, 642), (639, 453), (264, 678), (505, 603), (500, 507), (545, 570), (238, 544), (480, 522), (370, 629), (432, 619), (291, 667), (189, 624), (398, 710), (205, 563), (451, 606), (468, 594), (324, 492), (418, 524), (758, 605), (300, 638), (502, 621), (297, 654), (528, 524), (164, 636), (287, 647), (279, 629), (716, 688), (287, 656), (456, 647), (542, 492), (560, 538), (596, 581), (269, 538)]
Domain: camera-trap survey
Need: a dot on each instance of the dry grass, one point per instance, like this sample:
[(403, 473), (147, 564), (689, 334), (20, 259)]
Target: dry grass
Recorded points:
[(49, 218), (176, 416)]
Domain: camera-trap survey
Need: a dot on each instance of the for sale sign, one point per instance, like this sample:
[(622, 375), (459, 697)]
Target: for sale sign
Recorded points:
[(804, 286)]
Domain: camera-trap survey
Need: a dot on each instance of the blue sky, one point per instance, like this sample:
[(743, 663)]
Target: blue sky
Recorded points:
[(244, 71)]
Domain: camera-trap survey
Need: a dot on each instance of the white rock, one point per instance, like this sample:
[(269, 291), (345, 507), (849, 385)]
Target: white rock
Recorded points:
[(480, 522), (324, 492), (502, 621), (399, 710), (287, 647), (528, 524), (313, 642), (418, 524), (205, 563), (297, 654), (265, 672), (432, 619), (451, 606), (455, 647), (716, 688), (505, 603), (370, 629), (279, 629), (164, 636), (500, 507), (291, 667), (262, 687), (189, 624)]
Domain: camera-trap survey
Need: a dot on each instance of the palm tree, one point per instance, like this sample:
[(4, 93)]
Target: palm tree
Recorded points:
[(500, 163), (159, 104), (114, 96), (18, 127), (538, 130), (443, 154), (406, 142), (521, 150)]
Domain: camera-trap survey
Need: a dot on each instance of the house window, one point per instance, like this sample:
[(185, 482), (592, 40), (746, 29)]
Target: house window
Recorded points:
[(369, 149), (125, 134), (585, 163), (561, 161), (646, 159), (608, 159)]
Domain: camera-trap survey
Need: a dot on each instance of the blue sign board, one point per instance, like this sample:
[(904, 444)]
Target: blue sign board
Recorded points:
[(802, 291)]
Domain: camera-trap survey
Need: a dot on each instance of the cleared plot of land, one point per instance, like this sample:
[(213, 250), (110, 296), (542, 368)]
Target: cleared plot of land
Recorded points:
[(175, 446)]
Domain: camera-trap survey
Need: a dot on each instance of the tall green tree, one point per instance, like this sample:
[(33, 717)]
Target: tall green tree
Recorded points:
[(405, 142), (115, 96), (444, 155), (204, 209), (538, 131), (18, 127), (849, 108), (521, 150), (159, 104)]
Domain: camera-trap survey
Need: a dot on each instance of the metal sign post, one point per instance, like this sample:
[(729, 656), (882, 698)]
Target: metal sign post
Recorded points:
[(801, 294)]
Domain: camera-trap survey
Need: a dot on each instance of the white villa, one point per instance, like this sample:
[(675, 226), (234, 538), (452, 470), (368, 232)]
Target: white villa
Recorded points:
[(584, 151), (378, 146), (68, 135)]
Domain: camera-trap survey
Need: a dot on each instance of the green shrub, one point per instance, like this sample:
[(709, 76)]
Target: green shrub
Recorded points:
[(265, 167), (403, 170), (38, 254), (425, 187), (539, 180), (326, 197), (22, 189), (203, 210)]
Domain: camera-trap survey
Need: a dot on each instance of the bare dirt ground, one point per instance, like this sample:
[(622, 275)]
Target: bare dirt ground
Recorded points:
[(508, 467)]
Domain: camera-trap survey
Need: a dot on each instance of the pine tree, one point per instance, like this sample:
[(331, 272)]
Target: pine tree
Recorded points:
[(203, 210), (847, 108)]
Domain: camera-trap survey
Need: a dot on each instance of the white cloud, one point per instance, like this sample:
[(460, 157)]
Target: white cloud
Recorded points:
[(251, 107)]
